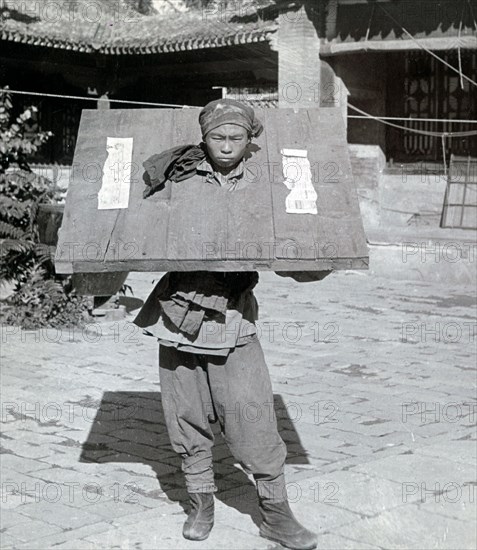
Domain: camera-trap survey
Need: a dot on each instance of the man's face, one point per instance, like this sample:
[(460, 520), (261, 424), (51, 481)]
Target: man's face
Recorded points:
[(227, 144)]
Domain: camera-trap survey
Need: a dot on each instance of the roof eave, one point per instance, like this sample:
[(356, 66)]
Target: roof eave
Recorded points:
[(330, 49), (167, 46)]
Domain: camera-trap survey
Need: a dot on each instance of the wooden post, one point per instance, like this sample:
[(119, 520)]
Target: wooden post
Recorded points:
[(299, 72), (331, 18), (343, 100), (103, 102)]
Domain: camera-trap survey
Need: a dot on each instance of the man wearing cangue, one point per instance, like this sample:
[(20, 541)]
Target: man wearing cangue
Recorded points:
[(210, 357)]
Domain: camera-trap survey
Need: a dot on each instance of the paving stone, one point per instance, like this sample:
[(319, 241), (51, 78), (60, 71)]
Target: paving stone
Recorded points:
[(22, 448), (416, 470), (42, 542), (358, 493), (162, 510), (400, 477), (144, 437), (20, 463), (77, 544), (9, 518), (11, 476), (169, 534), (65, 476), (7, 541), (336, 542), (114, 508), (336, 432), (59, 514), (36, 437), (462, 451), (411, 528), (456, 501), (35, 529), (355, 450), (62, 456)]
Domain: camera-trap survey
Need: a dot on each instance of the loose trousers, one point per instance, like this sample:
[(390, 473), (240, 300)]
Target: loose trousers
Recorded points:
[(235, 390)]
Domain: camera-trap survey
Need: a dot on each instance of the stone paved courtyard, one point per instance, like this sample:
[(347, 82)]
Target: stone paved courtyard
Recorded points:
[(375, 393)]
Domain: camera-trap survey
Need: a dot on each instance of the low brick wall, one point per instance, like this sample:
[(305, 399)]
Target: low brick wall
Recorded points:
[(397, 196), (367, 163), (401, 207)]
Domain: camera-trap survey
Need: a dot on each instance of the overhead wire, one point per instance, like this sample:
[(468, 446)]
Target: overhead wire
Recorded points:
[(459, 56), (364, 114), (409, 119), (422, 132), (96, 99)]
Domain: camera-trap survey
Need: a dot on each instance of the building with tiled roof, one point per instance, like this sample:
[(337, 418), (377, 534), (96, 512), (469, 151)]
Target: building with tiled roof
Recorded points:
[(191, 51), (114, 29)]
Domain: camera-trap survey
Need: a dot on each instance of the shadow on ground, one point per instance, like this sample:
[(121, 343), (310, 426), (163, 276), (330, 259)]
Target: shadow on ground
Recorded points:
[(129, 427)]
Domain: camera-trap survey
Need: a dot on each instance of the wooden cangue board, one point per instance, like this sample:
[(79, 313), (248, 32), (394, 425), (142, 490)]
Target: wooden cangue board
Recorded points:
[(188, 227)]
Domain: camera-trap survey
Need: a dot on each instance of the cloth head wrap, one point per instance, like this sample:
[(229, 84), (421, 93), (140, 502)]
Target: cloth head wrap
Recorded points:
[(229, 111), (180, 163)]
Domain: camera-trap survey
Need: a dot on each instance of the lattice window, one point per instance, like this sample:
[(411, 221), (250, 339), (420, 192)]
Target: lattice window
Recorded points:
[(460, 201), (71, 114), (421, 86)]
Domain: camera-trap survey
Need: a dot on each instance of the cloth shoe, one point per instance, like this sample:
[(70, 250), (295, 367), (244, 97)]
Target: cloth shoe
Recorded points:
[(280, 525), (200, 520)]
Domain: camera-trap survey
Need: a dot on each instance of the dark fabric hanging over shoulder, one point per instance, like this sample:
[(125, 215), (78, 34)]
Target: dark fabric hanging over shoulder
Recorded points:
[(176, 164)]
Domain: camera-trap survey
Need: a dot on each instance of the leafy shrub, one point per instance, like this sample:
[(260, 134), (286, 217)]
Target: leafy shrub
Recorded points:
[(40, 298), (21, 193), (44, 301)]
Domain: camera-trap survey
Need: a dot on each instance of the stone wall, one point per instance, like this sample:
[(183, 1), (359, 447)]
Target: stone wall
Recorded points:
[(401, 207), (405, 195), (367, 163)]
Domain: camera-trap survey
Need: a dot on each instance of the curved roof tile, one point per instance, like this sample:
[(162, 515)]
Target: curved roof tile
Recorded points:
[(135, 48)]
